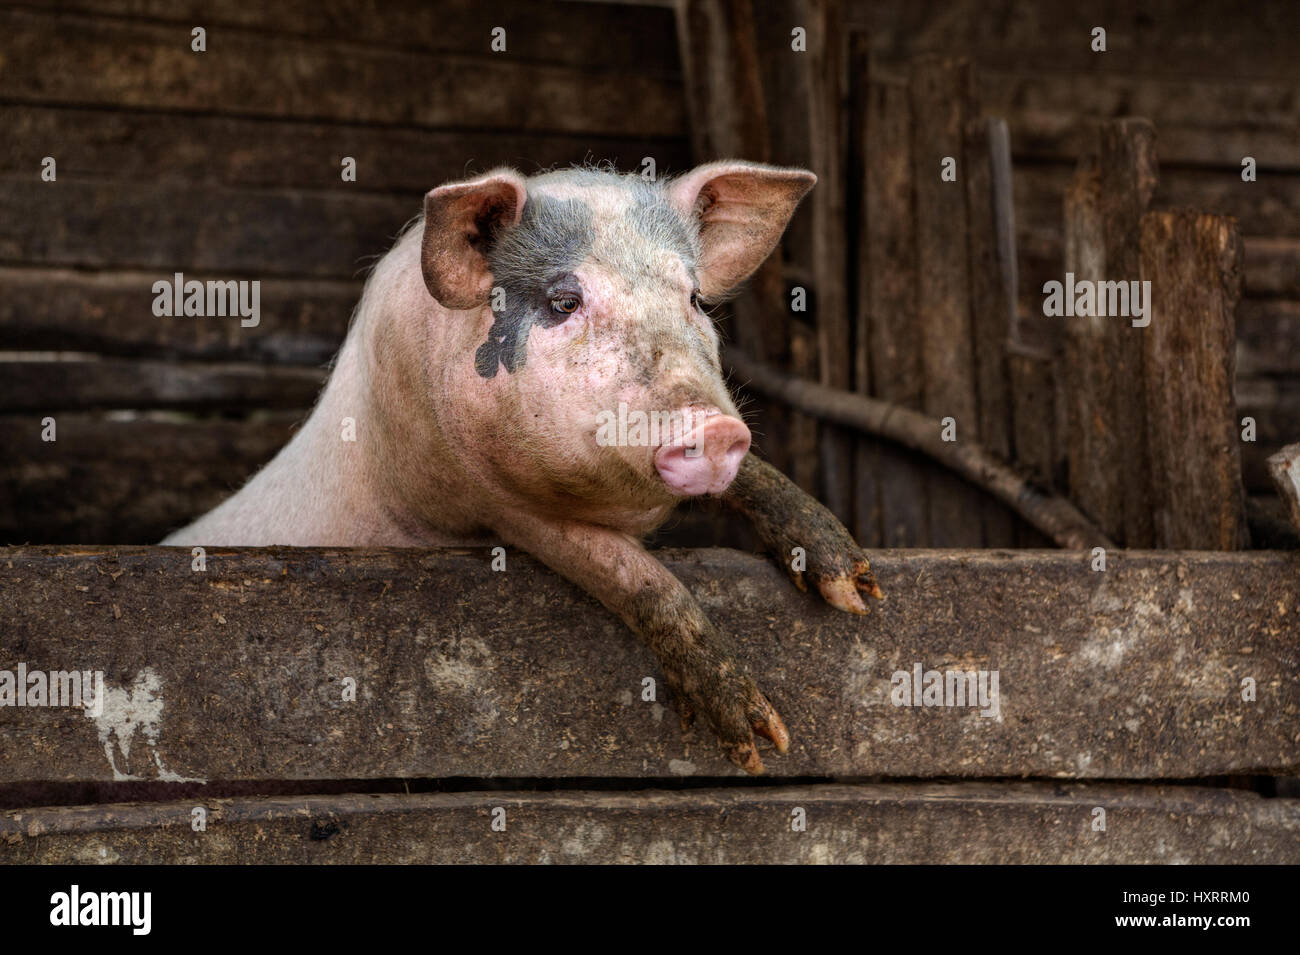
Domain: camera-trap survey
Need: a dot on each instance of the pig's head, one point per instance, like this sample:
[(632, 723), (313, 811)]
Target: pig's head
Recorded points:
[(595, 361)]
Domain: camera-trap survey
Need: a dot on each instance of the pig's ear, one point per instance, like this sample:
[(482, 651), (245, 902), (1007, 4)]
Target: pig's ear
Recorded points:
[(742, 208), (461, 220)]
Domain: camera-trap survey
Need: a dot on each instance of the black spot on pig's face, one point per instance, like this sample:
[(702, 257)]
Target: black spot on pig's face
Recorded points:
[(529, 264)]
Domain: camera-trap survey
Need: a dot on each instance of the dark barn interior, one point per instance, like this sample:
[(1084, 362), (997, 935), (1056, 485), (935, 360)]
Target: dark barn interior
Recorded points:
[(921, 294)]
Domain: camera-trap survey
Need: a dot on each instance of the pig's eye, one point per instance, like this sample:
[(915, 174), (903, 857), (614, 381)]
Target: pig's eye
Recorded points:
[(565, 304), (695, 299)]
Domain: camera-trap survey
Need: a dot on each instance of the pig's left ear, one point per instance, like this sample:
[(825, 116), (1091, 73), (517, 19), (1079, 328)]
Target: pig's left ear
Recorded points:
[(742, 208), (461, 220)]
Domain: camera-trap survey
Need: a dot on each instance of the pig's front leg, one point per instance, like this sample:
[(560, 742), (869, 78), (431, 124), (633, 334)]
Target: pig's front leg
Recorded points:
[(786, 518), (619, 572)]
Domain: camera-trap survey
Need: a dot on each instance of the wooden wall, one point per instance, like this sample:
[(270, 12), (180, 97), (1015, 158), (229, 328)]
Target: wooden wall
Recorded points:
[(226, 164), (1218, 82)]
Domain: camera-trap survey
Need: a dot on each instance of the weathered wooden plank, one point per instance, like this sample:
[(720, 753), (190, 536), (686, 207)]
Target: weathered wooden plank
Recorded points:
[(991, 245), (638, 38), (1177, 38), (127, 477), (1203, 100), (1193, 261), (867, 473), (104, 61), (943, 101), (786, 78), (300, 322), (83, 383), (1285, 470), (825, 62), (177, 227), (239, 671), (151, 146), (1037, 438), (999, 823), (894, 326), (1109, 476)]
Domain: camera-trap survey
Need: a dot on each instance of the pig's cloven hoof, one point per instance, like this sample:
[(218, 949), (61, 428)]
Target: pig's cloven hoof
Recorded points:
[(736, 714), (832, 560)]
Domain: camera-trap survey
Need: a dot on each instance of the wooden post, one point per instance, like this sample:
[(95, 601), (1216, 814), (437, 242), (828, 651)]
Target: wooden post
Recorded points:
[(942, 93), (1108, 470), (893, 328), (1193, 262)]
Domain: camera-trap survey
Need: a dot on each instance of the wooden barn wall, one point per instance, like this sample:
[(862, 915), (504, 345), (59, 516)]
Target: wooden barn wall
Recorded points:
[(227, 164), (1220, 82)]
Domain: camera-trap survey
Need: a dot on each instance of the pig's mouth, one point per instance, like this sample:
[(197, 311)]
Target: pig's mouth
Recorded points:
[(704, 460)]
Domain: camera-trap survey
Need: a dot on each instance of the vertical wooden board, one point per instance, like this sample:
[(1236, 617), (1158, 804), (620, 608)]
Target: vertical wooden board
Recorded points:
[(1193, 261), (787, 92), (1035, 437), (1128, 176), (894, 339), (1104, 203), (866, 453), (1093, 440), (827, 142), (991, 250), (942, 91)]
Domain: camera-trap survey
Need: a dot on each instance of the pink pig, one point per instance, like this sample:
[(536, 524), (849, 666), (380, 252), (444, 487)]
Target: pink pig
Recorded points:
[(489, 346)]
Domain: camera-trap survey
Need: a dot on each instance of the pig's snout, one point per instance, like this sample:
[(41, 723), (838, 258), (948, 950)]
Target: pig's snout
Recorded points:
[(706, 460)]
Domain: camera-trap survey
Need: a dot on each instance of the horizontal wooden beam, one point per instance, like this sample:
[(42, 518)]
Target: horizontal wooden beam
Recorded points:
[(126, 476), (905, 824), (116, 62), (88, 382), (242, 671)]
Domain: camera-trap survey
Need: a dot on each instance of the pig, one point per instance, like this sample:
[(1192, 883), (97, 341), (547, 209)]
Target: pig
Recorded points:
[(489, 344)]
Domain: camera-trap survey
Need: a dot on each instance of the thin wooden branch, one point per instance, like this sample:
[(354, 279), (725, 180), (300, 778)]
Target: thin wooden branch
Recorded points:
[(1053, 515)]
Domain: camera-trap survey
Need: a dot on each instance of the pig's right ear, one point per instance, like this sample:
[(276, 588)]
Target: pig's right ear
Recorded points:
[(461, 220)]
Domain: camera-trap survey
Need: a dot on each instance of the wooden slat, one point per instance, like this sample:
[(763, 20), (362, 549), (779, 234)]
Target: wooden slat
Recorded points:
[(176, 227), (943, 101), (1109, 476), (637, 38), (891, 304), (1193, 261), (827, 152), (991, 245), (456, 676), (300, 322), (867, 471), (117, 63), (1178, 38), (999, 823), (125, 478), (83, 383), (136, 146)]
